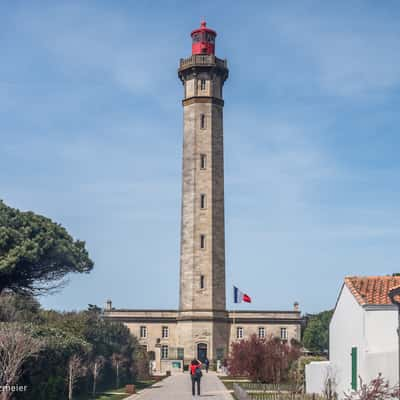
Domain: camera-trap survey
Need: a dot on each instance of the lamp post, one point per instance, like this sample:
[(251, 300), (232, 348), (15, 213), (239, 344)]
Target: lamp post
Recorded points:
[(393, 294)]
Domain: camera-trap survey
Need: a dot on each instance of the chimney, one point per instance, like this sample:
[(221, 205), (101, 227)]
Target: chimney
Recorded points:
[(296, 306)]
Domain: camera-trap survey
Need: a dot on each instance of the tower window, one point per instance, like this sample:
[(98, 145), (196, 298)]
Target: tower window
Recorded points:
[(202, 241), (203, 84), (203, 201), (164, 352), (284, 334), (165, 332), (203, 161), (261, 332), (202, 121), (202, 282), (143, 331), (239, 332)]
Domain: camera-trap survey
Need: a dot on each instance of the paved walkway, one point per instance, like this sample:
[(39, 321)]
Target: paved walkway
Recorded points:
[(179, 387)]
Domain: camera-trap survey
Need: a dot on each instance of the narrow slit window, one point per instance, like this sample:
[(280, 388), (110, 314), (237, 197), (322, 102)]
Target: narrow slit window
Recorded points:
[(203, 201), (202, 282), (202, 241), (203, 161), (202, 121), (203, 84)]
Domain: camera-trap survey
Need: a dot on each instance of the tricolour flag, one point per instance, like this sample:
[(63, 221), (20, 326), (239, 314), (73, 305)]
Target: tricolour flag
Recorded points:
[(239, 296)]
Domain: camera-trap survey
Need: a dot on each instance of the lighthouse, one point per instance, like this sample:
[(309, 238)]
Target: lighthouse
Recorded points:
[(202, 327), (202, 261), (202, 252)]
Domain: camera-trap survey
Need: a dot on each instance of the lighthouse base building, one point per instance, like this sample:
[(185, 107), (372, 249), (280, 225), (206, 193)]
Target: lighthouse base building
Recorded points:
[(202, 327)]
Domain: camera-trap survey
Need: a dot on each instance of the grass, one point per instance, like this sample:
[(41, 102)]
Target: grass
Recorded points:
[(119, 394)]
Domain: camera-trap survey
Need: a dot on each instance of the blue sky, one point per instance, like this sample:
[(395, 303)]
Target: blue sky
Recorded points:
[(91, 136)]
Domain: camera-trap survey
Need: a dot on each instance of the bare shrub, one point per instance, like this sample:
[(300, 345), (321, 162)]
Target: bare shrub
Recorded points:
[(377, 389), (262, 360), (16, 347)]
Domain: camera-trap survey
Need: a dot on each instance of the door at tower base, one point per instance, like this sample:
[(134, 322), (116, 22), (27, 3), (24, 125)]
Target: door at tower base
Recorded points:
[(202, 352)]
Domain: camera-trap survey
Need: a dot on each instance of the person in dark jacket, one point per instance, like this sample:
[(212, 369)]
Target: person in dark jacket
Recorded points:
[(195, 375), (207, 364)]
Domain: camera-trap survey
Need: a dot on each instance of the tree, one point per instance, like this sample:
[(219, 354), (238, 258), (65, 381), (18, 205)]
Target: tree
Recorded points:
[(18, 308), (35, 253), (96, 367), (263, 360), (16, 347), (316, 334), (63, 335), (142, 363), (76, 369), (116, 360)]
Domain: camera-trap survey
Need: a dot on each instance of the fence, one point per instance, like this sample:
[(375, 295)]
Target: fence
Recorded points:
[(268, 387), (276, 392)]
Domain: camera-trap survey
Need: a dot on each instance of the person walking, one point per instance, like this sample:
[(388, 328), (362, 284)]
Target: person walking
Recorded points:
[(195, 375), (207, 364)]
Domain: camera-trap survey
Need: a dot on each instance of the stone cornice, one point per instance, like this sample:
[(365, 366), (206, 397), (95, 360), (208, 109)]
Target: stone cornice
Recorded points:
[(141, 319), (261, 320), (202, 99)]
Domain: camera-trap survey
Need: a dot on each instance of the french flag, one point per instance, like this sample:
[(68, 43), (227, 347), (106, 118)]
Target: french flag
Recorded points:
[(239, 296)]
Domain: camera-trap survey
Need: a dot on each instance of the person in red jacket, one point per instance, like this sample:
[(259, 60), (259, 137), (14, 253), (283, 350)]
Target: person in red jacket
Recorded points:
[(195, 375)]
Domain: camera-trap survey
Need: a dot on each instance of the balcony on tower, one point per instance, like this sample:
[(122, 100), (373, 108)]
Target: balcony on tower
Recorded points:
[(203, 75)]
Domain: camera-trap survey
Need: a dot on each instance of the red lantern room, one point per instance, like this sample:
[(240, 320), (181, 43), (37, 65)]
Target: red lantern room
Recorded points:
[(203, 40)]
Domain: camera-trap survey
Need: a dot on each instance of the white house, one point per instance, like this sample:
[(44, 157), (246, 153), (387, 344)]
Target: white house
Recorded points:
[(363, 339)]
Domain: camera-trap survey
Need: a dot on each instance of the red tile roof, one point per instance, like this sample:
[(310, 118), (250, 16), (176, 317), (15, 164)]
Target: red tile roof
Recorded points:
[(371, 289)]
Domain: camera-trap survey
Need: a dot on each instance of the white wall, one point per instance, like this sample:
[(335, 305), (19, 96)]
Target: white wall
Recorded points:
[(381, 328), (382, 343), (384, 363), (316, 375), (347, 329)]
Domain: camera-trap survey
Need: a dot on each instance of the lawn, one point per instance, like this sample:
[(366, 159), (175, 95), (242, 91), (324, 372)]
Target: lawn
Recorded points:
[(118, 394)]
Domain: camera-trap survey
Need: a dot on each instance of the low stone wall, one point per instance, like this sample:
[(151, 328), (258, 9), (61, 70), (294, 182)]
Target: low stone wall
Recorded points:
[(240, 393)]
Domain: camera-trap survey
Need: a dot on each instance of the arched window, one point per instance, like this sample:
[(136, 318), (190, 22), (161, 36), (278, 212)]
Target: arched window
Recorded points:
[(202, 282)]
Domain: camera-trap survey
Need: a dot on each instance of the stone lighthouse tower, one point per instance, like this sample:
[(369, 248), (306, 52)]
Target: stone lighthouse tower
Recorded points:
[(201, 327), (202, 260)]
